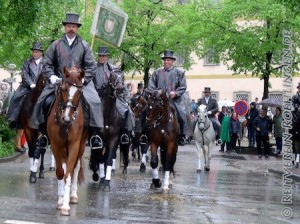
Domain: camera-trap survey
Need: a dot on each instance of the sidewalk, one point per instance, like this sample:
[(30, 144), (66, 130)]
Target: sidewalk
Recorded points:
[(272, 164)]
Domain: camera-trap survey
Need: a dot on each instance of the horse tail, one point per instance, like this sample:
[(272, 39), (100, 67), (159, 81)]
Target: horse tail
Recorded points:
[(81, 177)]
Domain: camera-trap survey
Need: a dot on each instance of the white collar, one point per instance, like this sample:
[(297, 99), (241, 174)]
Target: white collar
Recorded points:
[(70, 41), (37, 61)]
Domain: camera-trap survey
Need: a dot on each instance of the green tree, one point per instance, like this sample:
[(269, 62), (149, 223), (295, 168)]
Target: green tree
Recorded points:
[(26, 21), (245, 35), (152, 27)]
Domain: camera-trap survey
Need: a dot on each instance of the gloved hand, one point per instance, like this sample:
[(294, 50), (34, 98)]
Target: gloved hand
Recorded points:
[(209, 112), (54, 79), (32, 86)]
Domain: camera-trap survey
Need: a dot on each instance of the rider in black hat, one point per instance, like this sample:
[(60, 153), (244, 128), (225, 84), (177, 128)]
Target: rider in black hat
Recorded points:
[(30, 72)]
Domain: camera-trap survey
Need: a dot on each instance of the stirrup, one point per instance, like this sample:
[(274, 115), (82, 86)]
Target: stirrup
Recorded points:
[(96, 142), (42, 141), (143, 140), (124, 139), (219, 141)]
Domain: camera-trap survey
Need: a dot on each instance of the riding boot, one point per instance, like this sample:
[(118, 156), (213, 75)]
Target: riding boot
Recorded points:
[(96, 141), (124, 136)]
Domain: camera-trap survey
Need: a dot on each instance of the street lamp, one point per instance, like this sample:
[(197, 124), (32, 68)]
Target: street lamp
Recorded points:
[(11, 70)]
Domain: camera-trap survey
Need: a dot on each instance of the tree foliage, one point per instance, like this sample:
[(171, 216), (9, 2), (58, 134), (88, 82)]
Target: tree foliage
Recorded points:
[(26, 21), (245, 35), (153, 26)]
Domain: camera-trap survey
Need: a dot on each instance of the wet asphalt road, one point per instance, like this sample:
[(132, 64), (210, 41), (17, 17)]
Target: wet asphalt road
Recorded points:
[(238, 189)]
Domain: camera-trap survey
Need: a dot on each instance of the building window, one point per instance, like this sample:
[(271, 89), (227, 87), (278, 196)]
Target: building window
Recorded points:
[(179, 60), (246, 96), (276, 95), (210, 58)]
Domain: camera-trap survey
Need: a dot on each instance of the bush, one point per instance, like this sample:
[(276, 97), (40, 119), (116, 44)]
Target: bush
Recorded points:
[(7, 135)]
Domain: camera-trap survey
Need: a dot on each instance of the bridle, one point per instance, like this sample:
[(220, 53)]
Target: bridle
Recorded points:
[(203, 125), (64, 107)]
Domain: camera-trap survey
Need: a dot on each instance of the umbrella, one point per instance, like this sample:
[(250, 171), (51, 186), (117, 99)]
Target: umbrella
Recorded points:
[(226, 103), (270, 102)]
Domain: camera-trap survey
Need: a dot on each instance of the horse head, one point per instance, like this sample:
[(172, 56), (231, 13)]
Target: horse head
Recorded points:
[(116, 80), (138, 104), (203, 119), (158, 104), (69, 93)]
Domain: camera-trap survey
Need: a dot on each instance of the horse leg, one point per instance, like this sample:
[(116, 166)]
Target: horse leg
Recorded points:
[(60, 185), (199, 154), (169, 161), (156, 183), (74, 196), (124, 149), (41, 173), (144, 149), (52, 162), (208, 156), (94, 163), (111, 154)]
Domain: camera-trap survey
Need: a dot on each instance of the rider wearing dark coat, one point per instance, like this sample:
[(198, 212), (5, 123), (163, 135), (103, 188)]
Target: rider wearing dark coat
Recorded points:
[(173, 81), (296, 98), (101, 79), (212, 108), (69, 51), (30, 72)]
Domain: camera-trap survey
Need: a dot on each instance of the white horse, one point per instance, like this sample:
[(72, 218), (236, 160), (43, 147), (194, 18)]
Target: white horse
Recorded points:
[(205, 137)]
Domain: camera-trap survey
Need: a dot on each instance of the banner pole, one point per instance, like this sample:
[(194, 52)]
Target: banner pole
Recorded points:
[(93, 39)]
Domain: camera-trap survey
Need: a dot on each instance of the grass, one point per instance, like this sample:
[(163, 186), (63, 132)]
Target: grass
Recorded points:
[(7, 137)]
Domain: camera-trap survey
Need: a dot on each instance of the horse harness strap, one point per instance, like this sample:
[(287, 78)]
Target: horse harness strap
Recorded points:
[(203, 130)]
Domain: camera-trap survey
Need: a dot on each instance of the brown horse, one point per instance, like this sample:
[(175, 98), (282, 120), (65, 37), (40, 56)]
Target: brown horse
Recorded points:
[(139, 144), (163, 132), (34, 153), (65, 127)]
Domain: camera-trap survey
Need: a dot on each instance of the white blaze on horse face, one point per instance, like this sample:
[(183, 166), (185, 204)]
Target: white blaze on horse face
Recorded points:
[(72, 92), (202, 108)]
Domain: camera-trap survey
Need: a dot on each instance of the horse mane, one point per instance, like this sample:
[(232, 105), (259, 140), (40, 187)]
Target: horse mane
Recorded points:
[(202, 108)]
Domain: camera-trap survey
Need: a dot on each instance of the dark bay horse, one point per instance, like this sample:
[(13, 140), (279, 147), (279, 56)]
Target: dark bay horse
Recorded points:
[(34, 153), (102, 160), (163, 132), (139, 144), (65, 127)]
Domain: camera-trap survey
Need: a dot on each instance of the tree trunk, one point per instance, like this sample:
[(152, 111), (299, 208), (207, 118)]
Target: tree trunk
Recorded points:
[(266, 86)]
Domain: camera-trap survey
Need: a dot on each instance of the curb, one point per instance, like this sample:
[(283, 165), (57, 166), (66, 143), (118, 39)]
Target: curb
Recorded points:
[(294, 177), (12, 158)]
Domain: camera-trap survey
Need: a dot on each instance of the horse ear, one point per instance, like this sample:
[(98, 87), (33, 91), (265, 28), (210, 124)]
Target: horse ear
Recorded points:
[(65, 72), (82, 73)]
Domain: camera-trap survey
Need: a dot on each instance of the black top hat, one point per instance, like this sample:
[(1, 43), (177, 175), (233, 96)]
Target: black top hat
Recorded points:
[(206, 90), (37, 46), (168, 54), (103, 51), (140, 85), (72, 18), (298, 85)]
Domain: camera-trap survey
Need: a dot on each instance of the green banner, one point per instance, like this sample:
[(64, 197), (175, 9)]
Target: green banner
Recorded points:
[(109, 22)]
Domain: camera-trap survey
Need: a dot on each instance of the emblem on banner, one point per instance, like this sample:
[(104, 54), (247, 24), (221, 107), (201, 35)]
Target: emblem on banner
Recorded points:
[(109, 25)]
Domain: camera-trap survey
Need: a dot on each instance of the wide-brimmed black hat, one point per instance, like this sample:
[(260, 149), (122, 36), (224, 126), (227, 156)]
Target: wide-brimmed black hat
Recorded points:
[(37, 46), (168, 54), (207, 90), (72, 18), (103, 51), (140, 85), (298, 85)]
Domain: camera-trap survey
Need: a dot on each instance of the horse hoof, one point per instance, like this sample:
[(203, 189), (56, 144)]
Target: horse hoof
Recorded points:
[(207, 168), (156, 183), (106, 185), (143, 168), (74, 200), (297, 165), (166, 191), (58, 206), (32, 177), (65, 212), (41, 175), (95, 177), (52, 169), (124, 171), (198, 171)]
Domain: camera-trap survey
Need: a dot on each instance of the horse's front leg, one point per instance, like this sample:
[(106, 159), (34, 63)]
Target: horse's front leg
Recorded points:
[(154, 164), (41, 173), (207, 156), (200, 155), (109, 162), (170, 159), (74, 186)]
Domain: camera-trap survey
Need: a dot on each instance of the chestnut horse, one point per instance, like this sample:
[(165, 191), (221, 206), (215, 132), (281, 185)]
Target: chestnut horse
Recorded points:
[(34, 153), (139, 144), (163, 132), (102, 160), (65, 127)]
